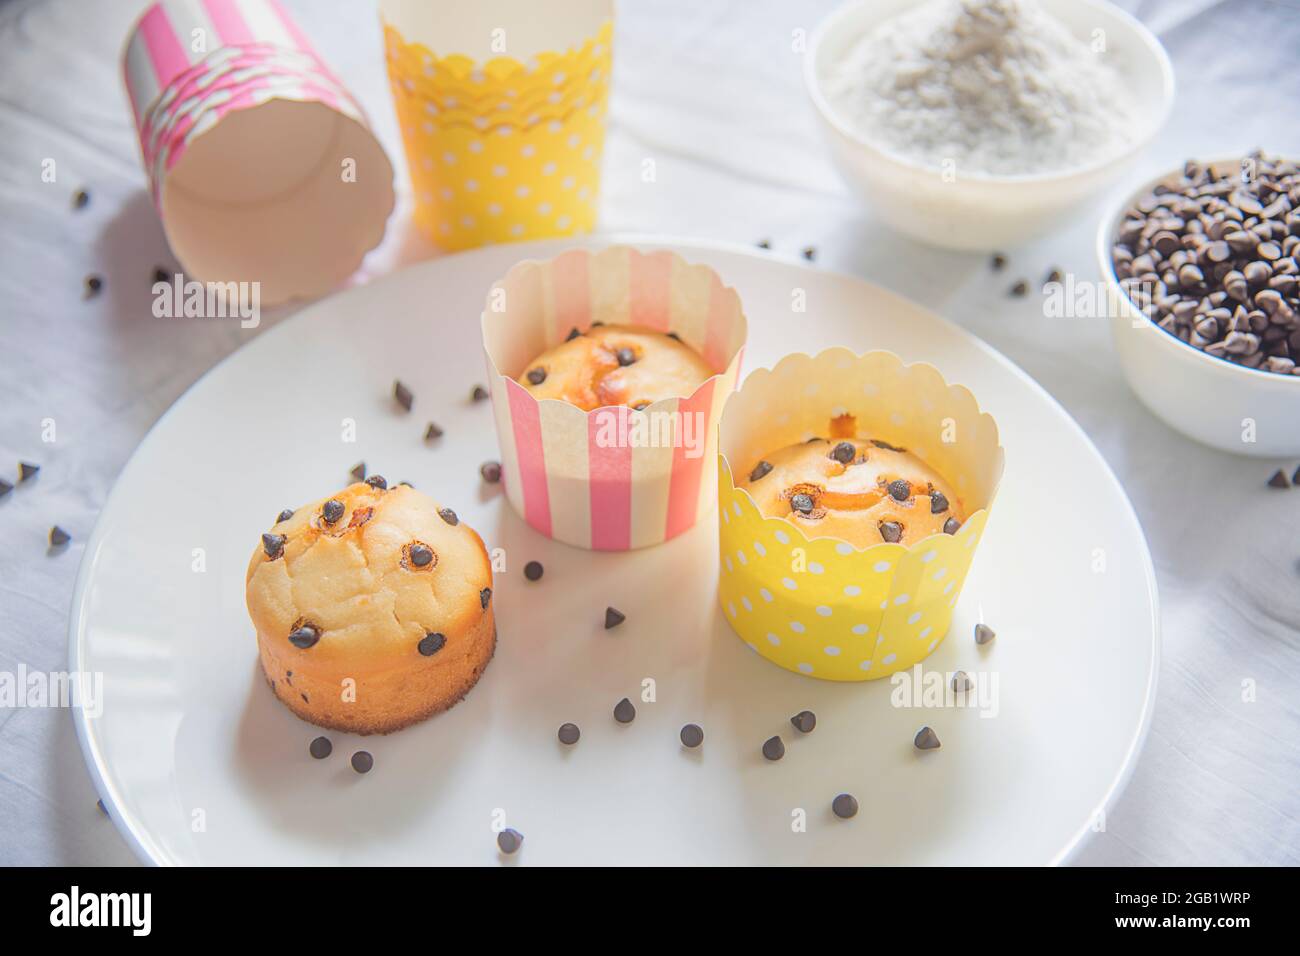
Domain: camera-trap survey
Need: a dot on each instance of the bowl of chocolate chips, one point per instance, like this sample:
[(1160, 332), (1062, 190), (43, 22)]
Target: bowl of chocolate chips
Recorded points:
[(1204, 269)]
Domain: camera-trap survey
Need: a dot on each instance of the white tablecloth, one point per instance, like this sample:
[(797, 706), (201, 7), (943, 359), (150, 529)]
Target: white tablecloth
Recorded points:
[(712, 92)]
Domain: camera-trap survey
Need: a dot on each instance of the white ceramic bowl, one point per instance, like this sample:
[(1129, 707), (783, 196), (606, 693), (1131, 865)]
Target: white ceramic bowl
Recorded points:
[(984, 212), (1218, 403)]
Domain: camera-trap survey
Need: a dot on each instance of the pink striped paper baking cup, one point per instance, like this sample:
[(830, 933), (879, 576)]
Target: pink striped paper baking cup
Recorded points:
[(614, 478), (261, 164)]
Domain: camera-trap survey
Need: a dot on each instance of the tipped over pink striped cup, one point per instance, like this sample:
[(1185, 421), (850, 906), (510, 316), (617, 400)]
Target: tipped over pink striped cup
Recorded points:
[(612, 479)]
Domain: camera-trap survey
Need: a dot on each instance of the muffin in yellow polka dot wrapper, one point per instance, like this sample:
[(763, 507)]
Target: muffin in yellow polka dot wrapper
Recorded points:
[(504, 125), (820, 604)]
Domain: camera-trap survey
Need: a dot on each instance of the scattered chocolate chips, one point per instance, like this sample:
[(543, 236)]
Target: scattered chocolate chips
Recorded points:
[(420, 554), (624, 712), (59, 537), (613, 617), (378, 482), (273, 545), (899, 489), (573, 334), (432, 432), (761, 469), (509, 841), (801, 503), (810, 253), (490, 471), (332, 511), (26, 471), (891, 531), (625, 356), (485, 598), (961, 682), (320, 748), (404, 396), (362, 762), (951, 526), (773, 748), (160, 275), (358, 471), (449, 516), (1054, 276), (284, 515), (478, 394), (533, 570), (80, 199), (984, 634), (998, 262), (1279, 480), (5, 487), (804, 721), (845, 806), (537, 375), (844, 452), (569, 734), (304, 636), (93, 285), (1019, 289), (431, 644), (926, 739), (692, 736), (938, 502)]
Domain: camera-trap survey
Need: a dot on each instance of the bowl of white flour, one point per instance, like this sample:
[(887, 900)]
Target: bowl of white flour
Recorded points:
[(978, 124)]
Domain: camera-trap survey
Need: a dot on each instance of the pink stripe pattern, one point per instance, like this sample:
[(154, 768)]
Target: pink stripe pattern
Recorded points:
[(610, 477), (525, 419), (687, 474)]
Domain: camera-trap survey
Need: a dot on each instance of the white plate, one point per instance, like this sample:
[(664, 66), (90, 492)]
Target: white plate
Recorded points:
[(198, 763)]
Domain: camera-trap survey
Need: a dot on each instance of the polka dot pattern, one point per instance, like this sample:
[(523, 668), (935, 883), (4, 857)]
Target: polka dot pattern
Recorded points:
[(861, 615)]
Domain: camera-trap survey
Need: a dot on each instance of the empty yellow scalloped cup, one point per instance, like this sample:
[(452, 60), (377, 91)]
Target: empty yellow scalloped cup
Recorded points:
[(820, 606), (502, 114)]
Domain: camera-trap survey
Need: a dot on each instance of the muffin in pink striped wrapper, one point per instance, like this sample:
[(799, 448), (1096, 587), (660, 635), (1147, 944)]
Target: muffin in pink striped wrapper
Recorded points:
[(614, 478)]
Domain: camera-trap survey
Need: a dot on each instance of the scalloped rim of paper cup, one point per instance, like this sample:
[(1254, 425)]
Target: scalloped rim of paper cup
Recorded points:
[(762, 379)]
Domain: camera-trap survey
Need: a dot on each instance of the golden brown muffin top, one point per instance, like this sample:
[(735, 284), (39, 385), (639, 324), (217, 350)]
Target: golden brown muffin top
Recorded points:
[(616, 365)]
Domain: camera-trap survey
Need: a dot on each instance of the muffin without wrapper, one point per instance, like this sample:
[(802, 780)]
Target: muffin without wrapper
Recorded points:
[(373, 609), (812, 601)]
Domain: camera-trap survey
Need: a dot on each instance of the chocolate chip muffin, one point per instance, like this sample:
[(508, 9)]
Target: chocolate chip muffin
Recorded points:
[(862, 490), (616, 365), (373, 608)]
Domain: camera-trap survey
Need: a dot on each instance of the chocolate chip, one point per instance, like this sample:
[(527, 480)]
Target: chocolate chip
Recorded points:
[(761, 469), (573, 334), (613, 617), (801, 503), (1020, 288), (533, 570), (160, 275), (810, 253), (273, 545), (998, 262), (80, 199), (304, 636), (899, 489), (844, 452), (569, 734), (509, 841), (421, 554), (886, 445), (804, 721), (449, 516), (432, 432), (102, 809), (358, 471), (485, 598), (321, 748), (984, 634), (1054, 276), (431, 644), (378, 482), (674, 336), (961, 682), (27, 470), (845, 806), (332, 511), (951, 526), (938, 502), (537, 375), (1295, 479), (764, 243), (478, 394), (59, 537), (5, 487), (891, 531), (773, 748), (624, 712), (640, 406), (490, 471), (284, 515), (93, 285), (926, 739), (362, 762), (1279, 480), (403, 395), (625, 357), (692, 736)]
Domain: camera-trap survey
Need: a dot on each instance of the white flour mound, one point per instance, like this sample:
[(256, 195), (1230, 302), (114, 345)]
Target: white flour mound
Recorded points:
[(996, 86)]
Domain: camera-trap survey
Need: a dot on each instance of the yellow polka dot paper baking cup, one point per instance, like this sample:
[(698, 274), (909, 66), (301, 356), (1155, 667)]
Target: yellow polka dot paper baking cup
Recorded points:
[(820, 606)]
